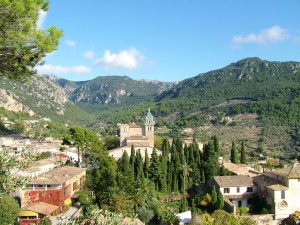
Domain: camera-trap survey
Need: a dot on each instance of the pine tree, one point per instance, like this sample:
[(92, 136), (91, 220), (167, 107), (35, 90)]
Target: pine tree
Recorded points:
[(23, 44), (233, 155), (243, 154)]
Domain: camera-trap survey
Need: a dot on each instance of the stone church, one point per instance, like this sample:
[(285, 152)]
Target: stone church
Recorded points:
[(139, 136)]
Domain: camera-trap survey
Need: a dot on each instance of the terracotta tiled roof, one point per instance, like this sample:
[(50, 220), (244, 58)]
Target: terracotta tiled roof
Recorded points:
[(234, 181), (41, 207), (240, 169), (269, 182), (43, 162), (61, 155), (289, 172), (58, 175)]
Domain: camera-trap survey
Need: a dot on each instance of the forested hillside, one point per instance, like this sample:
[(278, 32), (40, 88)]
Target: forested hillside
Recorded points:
[(271, 89), (252, 99)]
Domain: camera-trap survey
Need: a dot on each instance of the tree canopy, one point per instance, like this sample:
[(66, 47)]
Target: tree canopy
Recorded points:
[(9, 210), (22, 43)]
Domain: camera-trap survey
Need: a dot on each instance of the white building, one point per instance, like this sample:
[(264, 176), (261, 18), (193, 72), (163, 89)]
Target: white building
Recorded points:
[(281, 189), (239, 190)]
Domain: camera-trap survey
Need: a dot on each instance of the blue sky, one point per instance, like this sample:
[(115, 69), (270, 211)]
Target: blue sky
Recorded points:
[(167, 40)]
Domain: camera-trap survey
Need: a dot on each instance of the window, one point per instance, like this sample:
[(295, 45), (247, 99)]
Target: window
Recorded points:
[(282, 194), (74, 186), (238, 190), (226, 190), (249, 189)]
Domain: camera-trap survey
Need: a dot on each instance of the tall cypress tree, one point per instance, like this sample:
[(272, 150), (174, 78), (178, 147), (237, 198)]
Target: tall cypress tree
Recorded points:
[(154, 168), (214, 198), (210, 161), (132, 156), (216, 145), (220, 200), (163, 174), (138, 166), (243, 154), (126, 173), (165, 147), (233, 154), (146, 164)]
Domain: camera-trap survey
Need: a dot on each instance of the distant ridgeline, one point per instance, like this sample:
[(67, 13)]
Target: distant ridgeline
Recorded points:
[(271, 89), (251, 85)]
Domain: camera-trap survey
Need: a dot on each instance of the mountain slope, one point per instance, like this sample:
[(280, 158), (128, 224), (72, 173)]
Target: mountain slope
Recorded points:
[(113, 90), (40, 97), (271, 89), (250, 78)]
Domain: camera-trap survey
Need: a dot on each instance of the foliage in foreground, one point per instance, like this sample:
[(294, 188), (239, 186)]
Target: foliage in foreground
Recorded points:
[(221, 217), (9, 209), (8, 181), (23, 43), (96, 216)]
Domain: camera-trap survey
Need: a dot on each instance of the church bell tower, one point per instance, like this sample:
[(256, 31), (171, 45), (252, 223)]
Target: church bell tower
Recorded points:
[(149, 128)]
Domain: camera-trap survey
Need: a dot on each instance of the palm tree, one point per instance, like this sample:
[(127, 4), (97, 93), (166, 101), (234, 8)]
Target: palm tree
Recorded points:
[(186, 169), (144, 194)]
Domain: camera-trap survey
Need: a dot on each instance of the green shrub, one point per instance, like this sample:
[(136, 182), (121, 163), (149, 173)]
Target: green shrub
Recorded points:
[(243, 210)]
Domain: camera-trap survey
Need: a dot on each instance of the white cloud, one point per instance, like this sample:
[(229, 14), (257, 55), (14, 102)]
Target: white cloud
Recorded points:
[(89, 54), (71, 43), (54, 69), (41, 19), (125, 59), (272, 34)]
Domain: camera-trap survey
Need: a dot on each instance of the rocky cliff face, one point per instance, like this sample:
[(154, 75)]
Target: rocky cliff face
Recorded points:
[(7, 101), (34, 96), (111, 89)]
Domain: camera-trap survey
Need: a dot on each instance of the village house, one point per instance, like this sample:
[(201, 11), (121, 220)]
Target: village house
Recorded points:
[(37, 168), (279, 187), (239, 190), (56, 187), (33, 213)]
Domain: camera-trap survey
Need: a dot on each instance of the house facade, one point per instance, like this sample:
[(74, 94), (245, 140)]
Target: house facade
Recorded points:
[(281, 189), (239, 190), (55, 188)]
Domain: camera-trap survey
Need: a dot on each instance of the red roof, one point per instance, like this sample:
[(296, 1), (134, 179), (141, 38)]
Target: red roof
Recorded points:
[(61, 155)]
